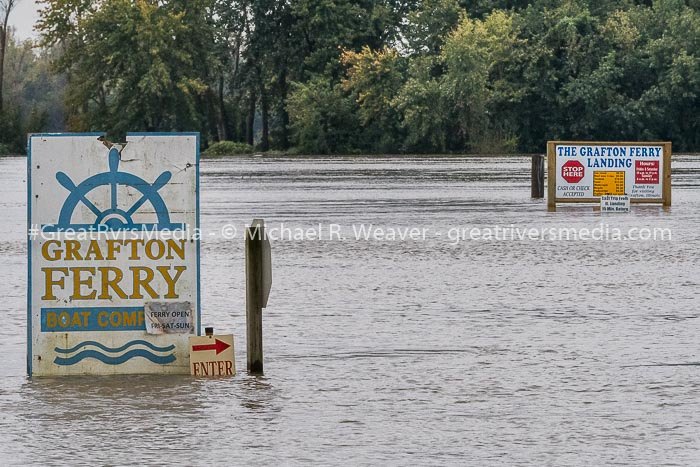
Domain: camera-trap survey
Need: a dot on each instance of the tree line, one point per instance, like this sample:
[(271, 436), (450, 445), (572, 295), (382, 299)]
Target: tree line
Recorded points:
[(361, 76)]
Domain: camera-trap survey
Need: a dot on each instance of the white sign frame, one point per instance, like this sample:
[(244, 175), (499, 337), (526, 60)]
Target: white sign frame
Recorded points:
[(64, 166), (556, 158)]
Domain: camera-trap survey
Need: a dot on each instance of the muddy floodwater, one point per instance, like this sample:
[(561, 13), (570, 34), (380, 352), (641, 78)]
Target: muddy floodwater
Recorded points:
[(438, 348)]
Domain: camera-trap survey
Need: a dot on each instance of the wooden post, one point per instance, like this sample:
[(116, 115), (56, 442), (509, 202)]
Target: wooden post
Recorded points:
[(667, 175), (551, 177), (537, 177), (255, 234)]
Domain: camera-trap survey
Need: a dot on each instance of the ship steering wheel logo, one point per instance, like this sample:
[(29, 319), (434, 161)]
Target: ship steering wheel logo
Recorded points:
[(116, 216)]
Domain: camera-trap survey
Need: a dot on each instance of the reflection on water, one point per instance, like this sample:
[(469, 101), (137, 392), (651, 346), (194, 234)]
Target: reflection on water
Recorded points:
[(427, 352)]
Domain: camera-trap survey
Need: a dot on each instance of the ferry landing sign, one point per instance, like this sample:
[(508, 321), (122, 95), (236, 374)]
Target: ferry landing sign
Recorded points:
[(583, 172), (113, 229)]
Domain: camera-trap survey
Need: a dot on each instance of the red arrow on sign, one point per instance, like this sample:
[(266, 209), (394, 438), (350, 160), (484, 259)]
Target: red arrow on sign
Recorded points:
[(218, 345)]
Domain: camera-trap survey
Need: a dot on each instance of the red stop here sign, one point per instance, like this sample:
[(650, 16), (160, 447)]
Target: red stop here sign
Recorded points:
[(572, 171)]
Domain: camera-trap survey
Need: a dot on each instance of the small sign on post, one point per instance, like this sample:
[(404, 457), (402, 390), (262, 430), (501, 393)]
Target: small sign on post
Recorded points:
[(212, 356), (613, 203), (169, 317), (266, 270)]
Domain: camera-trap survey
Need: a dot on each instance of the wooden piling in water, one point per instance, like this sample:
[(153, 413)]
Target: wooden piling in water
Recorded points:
[(254, 266), (537, 177)]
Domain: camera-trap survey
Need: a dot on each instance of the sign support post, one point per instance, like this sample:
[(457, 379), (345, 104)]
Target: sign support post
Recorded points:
[(537, 177), (667, 175), (551, 178), (258, 282)]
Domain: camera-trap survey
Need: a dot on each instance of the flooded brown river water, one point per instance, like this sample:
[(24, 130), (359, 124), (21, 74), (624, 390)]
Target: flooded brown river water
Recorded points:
[(438, 350)]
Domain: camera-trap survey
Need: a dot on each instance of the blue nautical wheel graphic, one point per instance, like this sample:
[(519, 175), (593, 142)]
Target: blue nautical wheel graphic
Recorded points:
[(116, 216)]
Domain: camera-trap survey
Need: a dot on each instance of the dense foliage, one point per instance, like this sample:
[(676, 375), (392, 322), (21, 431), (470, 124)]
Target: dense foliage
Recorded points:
[(325, 76), (228, 148), (33, 96)]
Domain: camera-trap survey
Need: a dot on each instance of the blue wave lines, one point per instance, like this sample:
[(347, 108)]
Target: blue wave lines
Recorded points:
[(106, 354), (116, 349)]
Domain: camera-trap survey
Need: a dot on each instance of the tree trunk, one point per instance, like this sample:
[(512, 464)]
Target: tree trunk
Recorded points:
[(284, 116), (265, 141), (222, 119), (251, 120), (9, 5), (3, 44), (2, 64)]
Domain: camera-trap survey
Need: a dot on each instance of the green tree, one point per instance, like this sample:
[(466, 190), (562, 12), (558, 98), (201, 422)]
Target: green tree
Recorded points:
[(475, 55), (323, 118), (374, 79), (33, 94), (429, 24), (134, 65), (424, 108), (667, 108)]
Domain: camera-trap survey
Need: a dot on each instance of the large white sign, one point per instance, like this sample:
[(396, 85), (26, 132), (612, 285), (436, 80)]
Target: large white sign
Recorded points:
[(587, 171), (112, 228)]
